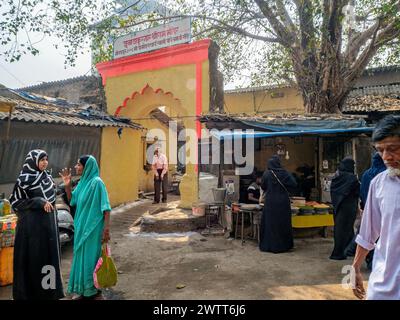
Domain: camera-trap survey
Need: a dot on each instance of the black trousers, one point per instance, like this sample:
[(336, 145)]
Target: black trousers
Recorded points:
[(158, 184)]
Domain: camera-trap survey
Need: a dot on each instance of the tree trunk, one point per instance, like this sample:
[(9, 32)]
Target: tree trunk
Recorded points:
[(319, 103), (321, 83)]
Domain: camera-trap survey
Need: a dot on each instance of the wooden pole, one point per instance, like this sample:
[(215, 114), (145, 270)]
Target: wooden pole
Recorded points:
[(8, 126), (7, 137)]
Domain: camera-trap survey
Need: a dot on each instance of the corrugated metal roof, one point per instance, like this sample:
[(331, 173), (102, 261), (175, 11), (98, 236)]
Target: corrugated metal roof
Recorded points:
[(82, 116)]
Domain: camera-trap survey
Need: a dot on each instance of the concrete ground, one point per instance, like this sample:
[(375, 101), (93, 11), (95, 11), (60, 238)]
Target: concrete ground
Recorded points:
[(191, 266)]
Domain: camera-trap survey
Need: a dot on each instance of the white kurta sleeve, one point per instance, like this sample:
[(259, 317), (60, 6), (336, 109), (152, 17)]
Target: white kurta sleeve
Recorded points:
[(371, 220)]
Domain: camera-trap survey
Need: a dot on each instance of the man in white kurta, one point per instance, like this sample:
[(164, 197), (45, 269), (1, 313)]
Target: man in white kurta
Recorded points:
[(381, 219)]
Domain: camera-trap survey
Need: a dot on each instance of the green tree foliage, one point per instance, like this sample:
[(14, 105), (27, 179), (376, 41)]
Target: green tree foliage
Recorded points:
[(322, 46), (25, 23)]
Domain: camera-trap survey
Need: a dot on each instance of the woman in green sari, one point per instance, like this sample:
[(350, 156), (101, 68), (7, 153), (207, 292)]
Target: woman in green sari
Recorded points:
[(92, 225)]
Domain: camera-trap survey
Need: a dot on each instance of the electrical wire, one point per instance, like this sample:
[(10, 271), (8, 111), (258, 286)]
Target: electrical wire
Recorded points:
[(4, 68)]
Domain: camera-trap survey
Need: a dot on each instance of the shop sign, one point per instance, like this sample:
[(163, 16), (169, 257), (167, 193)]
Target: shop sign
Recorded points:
[(166, 35)]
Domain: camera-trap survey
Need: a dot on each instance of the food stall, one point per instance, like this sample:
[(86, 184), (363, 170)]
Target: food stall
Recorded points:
[(311, 214), (310, 148)]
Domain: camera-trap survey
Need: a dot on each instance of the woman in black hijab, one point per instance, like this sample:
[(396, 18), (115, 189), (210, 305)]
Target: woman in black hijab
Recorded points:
[(276, 222), (36, 250), (345, 190)]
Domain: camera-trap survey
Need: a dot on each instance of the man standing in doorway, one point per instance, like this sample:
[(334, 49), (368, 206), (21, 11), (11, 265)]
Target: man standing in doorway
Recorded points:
[(160, 170), (381, 219)]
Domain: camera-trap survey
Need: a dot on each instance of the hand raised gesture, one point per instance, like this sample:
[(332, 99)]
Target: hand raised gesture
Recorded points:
[(65, 174)]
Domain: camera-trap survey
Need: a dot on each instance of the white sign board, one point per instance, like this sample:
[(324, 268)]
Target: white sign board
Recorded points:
[(152, 39)]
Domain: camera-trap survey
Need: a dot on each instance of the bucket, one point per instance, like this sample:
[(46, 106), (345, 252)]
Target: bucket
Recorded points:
[(219, 194), (199, 209)]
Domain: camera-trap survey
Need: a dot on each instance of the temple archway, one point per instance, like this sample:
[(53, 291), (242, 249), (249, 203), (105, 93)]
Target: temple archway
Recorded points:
[(177, 78), (138, 107)]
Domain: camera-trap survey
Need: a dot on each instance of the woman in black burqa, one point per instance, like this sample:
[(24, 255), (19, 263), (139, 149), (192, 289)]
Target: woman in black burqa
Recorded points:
[(345, 190), (276, 223), (37, 272)]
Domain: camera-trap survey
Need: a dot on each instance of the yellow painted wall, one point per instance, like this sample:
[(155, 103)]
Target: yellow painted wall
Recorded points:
[(299, 154), (262, 101), (119, 164), (181, 82)]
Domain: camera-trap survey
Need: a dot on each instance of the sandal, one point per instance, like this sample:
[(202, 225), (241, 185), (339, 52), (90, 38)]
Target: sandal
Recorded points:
[(97, 296)]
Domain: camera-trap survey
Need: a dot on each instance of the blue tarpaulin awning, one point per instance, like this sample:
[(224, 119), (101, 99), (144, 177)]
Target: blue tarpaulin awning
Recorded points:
[(303, 125), (240, 134)]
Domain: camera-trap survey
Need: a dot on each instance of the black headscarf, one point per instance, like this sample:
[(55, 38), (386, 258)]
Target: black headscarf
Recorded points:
[(31, 178), (377, 167), (345, 182), (347, 165), (274, 165)]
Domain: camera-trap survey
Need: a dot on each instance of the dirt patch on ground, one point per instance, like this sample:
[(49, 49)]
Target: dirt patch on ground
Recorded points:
[(191, 266), (218, 268)]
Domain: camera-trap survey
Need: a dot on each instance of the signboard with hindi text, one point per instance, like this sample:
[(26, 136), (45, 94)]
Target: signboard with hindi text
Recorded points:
[(166, 35)]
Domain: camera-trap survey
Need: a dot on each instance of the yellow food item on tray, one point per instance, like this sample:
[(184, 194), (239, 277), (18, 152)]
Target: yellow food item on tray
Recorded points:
[(317, 205), (321, 206)]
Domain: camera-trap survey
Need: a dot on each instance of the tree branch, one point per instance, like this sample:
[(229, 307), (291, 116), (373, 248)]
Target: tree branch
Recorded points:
[(284, 15), (307, 30), (128, 7), (360, 64), (287, 38), (356, 44)]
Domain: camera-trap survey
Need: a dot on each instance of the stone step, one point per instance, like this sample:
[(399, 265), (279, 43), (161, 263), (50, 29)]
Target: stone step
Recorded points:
[(172, 220)]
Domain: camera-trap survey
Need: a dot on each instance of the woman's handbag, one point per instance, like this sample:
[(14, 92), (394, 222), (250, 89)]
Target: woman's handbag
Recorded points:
[(105, 274)]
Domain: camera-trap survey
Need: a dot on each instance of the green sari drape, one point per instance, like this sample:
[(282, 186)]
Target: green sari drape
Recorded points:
[(91, 200)]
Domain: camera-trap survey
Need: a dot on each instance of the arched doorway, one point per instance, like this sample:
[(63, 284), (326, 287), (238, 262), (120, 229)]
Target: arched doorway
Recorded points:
[(178, 78), (140, 107)]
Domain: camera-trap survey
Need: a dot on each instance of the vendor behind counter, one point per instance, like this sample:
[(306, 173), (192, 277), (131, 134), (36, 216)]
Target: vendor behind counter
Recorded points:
[(254, 190), (305, 178)]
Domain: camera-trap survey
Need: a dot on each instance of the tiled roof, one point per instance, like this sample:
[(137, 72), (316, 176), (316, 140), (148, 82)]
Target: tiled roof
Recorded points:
[(376, 90), (273, 118), (74, 116), (372, 103), (373, 99), (371, 71), (58, 82)]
